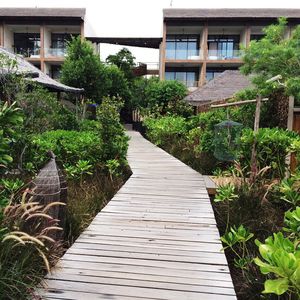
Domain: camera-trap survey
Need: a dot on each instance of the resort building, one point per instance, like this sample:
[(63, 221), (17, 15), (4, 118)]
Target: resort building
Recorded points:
[(197, 44), (40, 34)]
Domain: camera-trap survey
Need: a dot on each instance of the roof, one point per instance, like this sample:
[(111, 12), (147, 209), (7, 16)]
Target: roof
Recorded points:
[(250, 13), (36, 75), (42, 12), (222, 87), (150, 42)]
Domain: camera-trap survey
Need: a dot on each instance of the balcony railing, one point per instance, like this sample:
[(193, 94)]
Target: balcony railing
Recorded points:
[(224, 55), (189, 83), (183, 54), (55, 52), (27, 52)]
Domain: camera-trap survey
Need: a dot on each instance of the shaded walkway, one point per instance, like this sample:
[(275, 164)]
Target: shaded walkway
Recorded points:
[(156, 239)]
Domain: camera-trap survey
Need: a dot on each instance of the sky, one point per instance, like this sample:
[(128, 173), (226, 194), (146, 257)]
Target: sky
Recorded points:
[(137, 18)]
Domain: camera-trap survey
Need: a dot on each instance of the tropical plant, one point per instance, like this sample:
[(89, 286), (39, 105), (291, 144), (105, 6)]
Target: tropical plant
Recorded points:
[(113, 134), (124, 60), (82, 68), (292, 222), (11, 119), (226, 192), (281, 259), (81, 168), (167, 97), (290, 189), (113, 167), (237, 237), (264, 60), (273, 145), (69, 147), (166, 129)]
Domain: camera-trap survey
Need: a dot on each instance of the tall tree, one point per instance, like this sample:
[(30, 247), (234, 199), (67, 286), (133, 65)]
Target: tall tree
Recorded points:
[(124, 60), (83, 69), (275, 54)]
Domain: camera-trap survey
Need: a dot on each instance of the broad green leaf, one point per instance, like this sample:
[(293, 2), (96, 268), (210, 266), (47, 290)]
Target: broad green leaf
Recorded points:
[(276, 286)]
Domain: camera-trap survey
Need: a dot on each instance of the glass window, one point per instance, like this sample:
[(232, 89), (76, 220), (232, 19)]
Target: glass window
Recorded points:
[(55, 71), (170, 49), (60, 40), (213, 72), (186, 75), (170, 75), (223, 46), (27, 44), (182, 46)]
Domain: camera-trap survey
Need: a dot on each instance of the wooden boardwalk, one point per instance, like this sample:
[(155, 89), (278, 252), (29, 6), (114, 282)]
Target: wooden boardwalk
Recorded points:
[(156, 239)]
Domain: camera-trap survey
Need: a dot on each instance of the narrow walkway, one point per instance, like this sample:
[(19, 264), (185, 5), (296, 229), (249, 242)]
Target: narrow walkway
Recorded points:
[(156, 239)]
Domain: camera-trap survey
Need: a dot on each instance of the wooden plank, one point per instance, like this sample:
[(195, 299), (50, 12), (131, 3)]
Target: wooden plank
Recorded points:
[(137, 282), (146, 270), (130, 291), (156, 239), (131, 274)]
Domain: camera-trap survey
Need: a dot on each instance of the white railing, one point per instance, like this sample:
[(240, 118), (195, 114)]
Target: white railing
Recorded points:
[(183, 54), (224, 55), (55, 52), (26, 52)]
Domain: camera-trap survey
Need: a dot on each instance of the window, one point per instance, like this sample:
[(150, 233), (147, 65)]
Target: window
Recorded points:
[(55, 71), (213, 72), (27, 44), (182, 47), (60, 40), (188, 76), (223, 46)]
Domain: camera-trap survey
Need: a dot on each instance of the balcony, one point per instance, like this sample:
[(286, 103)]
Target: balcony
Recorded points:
[(183, 54), (55, 52), (27, 52), (224, 55)]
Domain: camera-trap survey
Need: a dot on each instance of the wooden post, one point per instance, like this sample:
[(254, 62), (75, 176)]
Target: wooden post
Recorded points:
[(257, 113), (255, 129), (291, 113), (290, 124), (163, 51)]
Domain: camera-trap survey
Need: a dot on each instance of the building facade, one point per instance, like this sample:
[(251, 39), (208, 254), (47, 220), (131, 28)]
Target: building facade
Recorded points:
[(40, 34), (197, 44)]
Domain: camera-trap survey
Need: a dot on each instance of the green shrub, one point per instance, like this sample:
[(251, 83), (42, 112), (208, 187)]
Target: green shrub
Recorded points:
[(167, 97), (281, 258), (115, 141), (164, 130), (272, 148), (44, 112), (69, 147), (90, 125), (82, 68)]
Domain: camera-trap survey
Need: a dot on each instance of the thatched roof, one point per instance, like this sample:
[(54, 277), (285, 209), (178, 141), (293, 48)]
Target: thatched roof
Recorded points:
[(231, 13), (42, 12), (36, 75), (222, 87)]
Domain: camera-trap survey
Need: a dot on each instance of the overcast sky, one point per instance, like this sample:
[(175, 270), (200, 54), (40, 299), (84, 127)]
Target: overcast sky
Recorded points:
[(138, 18)]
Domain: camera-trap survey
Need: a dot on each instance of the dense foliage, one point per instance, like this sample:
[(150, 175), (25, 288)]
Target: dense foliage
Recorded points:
[(11, 119), (125, 61), (273, 55), (196, 135), (167, 97), (82, 68), (92, 154)]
